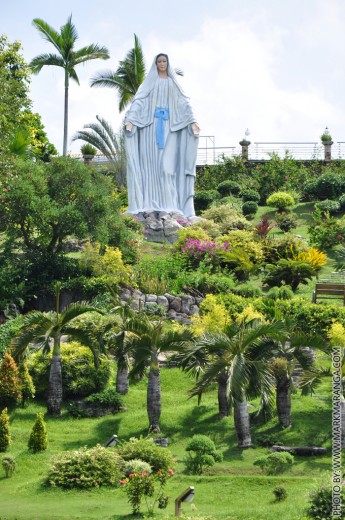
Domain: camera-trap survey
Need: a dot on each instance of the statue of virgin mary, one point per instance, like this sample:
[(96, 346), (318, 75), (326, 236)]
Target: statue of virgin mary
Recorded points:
[(161, 136)]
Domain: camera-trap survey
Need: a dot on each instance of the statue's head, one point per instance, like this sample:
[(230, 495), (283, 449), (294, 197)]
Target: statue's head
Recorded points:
[(162, 64), (164, 55)]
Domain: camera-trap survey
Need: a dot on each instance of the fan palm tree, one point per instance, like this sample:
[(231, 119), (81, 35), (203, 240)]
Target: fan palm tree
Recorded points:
[(67, 57), (151, 338), (245, 349), (42, 328), (128, 76), (102, 136)]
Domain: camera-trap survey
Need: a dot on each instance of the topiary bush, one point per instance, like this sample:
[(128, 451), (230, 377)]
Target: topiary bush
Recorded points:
[(228, 187), (27, 385), (203, 198), (227, 217), (275, 462), (10, 384), (280, 493), (245, 240), (250, 207), (86, 468), (9, 465), (5, 436), (332, 206), (79, 375), (280, 200), (202, 453), (38, 440), (146, 450), (250, 195)]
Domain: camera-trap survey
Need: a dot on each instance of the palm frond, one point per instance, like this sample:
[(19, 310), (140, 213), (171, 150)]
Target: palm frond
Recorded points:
[(41, 60), (76, 309), (48, 33)]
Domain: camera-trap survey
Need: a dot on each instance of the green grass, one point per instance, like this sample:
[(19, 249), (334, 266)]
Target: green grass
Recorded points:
[(233, 489)]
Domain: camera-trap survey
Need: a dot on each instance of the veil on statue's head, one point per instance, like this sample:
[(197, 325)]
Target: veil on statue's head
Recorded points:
[(150, 81)]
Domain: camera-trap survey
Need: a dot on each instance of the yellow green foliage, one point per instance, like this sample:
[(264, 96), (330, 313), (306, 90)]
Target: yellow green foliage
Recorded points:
[(279, 367), (210, 227), (109, 265), (38, 440), (212, 318), (5, 437), (10, 384), (313, 256), (226, 217), (245, 241), (336, 334), (248, 314)]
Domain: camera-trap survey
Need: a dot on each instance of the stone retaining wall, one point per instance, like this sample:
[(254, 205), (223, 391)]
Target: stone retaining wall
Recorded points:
[(179, 308)]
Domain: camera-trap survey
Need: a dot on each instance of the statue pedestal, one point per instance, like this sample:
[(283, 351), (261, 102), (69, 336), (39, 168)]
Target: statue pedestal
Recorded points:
[(161, 226)]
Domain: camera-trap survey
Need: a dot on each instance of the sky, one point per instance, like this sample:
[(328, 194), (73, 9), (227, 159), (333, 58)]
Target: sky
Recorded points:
[(276, 67)]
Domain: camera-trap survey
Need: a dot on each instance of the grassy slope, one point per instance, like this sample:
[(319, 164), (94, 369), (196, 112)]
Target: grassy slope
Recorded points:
[(233, 489)]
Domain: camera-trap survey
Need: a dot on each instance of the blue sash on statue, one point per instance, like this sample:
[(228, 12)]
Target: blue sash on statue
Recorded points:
[(162, 114)]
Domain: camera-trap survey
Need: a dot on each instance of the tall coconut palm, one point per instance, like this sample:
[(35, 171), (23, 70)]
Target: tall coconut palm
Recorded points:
[(102, 136), (42, 328), (151, 338), (128, 76), (246, 348), (67, 58)]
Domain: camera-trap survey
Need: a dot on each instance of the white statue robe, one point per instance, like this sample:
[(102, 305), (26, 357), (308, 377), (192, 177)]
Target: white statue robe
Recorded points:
[(161, 179)]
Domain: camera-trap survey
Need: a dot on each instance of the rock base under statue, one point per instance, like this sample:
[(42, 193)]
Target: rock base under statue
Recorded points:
[(161, 226)]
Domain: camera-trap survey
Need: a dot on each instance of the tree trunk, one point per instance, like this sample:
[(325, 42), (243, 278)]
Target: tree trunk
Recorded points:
[(223, 401), (154, 404), (283, 400), (122, 382), (65, 124), (55, 386), (242, 424)]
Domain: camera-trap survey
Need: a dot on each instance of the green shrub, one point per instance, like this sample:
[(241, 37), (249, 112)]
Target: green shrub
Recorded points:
[(290, 272), (244, 240), (9, 465), (280, 200), (202, 199), (320, 502), (27, 385), (106, 398), (5, 436), (205, 282), (85, 468), (329, 185), (8, 330), (286, 221), (280, 493), (202, 453), (88, 149), (326, 231), (227, 217), (147, 450), (10, 385), (79, 375), (332, 206), (250, 207), (226, 188), (287, 246), (342, 201), (38, 440), (247, 290), (135, 466), (280, 293), (274, 462), (250, 195)]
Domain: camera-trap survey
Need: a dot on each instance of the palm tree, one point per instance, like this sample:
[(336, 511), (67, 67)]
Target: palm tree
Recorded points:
[(67, 58), (128, 76), (40, 328), (111, 145), (151, 338), (245, 348)]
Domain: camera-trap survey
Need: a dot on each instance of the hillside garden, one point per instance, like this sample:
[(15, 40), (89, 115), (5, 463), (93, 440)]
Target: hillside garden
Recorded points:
[(78, 365)]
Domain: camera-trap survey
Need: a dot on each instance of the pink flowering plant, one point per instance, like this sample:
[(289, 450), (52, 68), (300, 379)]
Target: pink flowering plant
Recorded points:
[(149, 487), (195, 250)]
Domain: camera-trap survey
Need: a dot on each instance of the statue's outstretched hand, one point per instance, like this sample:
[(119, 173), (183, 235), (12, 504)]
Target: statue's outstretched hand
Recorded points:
[(129, 126)]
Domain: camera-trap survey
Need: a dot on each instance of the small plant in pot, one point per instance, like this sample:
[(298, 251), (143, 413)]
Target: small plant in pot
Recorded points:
[(326, 137), (88, 152)]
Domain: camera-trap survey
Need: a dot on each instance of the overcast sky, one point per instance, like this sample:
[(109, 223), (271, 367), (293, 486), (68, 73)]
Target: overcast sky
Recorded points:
[(276, 67)]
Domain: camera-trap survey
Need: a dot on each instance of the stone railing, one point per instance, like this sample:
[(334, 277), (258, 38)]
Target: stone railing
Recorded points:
[(179, 308)]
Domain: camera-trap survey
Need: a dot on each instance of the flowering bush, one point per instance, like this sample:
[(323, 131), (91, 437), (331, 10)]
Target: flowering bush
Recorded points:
[(195, 250), (141, 485)]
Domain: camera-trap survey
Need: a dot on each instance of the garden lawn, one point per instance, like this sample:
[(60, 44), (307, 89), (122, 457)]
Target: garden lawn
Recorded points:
[(233, 489)]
